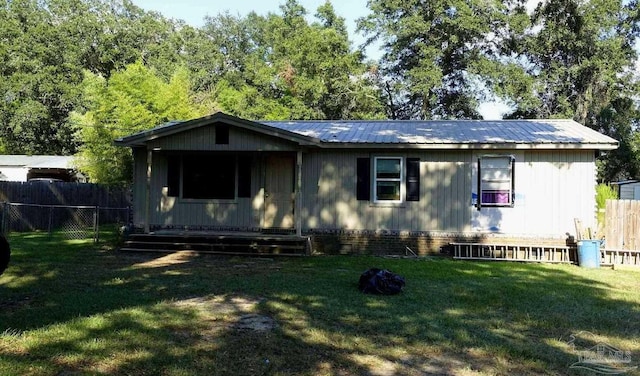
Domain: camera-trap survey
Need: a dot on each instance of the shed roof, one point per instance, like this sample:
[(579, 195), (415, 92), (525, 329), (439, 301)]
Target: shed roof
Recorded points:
[(37, 161), (512, 134), (625, 182)]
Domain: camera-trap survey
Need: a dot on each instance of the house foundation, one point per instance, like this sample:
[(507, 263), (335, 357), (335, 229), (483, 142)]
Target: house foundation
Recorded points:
[(410, 243)]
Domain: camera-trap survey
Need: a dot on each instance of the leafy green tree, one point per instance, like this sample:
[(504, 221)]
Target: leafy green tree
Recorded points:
[(576, 56), (621, 120), (281, 67), (432, 50), (134, 99), (39, 78), (115, 33), (43, 49)]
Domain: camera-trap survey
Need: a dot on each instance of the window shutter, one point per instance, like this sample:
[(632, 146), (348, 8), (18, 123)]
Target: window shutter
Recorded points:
[(513, 181), (479, 194), (413, 179), (173, 176), (363, 183), (244, 177)]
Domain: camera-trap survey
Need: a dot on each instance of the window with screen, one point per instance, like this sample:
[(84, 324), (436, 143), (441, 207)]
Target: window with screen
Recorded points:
[(496, 180), (209, 177)]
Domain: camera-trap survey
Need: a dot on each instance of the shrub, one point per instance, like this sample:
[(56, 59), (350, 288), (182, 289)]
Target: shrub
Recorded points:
[(604, 192)]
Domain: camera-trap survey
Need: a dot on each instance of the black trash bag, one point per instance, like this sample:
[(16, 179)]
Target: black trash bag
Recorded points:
[(5, 253), (380, 281)]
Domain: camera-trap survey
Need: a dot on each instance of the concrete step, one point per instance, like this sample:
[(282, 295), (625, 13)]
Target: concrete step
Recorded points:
[(220, 244)]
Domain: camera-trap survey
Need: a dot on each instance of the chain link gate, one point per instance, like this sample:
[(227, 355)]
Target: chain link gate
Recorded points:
[(74, 222)]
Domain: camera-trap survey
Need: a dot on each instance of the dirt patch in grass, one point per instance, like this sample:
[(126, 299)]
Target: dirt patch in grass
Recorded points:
[(255, 322), (175, 258), (216, 306), (229, 312), (190, 260)]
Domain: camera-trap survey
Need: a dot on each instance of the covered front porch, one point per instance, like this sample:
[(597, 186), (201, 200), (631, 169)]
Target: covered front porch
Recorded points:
[(228, 191)]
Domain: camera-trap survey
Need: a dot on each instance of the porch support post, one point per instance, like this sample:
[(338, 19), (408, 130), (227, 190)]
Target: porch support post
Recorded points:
[(298, 195), (147, 194)]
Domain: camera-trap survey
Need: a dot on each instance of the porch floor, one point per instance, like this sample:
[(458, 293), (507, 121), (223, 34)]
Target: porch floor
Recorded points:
[(219, 242)]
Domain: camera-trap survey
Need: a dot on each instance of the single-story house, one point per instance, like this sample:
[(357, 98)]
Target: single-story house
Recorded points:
[(353, 185), (628, 189), (24, 168)]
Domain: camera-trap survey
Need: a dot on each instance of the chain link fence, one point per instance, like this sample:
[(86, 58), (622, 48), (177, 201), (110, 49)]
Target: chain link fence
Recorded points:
[(74, 222)]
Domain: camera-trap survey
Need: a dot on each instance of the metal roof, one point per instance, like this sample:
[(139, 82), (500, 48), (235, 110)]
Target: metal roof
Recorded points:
[(37, 161), (444, 132), (625, 182), (544, 133)]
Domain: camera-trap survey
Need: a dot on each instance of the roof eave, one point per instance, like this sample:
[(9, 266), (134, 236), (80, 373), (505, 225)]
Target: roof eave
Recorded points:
[(141, 139), (472, 146)]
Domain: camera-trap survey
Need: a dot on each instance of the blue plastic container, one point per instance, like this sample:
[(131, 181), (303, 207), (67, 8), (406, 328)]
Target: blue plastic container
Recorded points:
[(589, 253)]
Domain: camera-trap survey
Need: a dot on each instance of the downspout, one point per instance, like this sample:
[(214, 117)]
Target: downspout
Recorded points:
[(147, 195), (298, 194)]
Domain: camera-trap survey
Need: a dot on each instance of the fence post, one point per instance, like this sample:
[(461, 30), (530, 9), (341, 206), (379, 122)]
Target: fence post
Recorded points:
[(96, 224), (50, 227), (4, 216)]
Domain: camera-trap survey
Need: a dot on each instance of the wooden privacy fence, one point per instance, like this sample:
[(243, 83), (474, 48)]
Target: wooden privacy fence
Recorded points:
[(622, 225), (62, 193)]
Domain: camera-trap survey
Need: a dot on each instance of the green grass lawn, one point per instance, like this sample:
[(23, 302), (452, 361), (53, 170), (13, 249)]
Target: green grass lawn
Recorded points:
[(75, 308)]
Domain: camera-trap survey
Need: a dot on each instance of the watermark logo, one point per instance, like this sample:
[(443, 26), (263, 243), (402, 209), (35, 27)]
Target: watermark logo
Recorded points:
[(601, 358)]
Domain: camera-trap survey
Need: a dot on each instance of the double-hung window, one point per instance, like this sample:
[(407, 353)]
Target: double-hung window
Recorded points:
[(388, 179), (496, 180)]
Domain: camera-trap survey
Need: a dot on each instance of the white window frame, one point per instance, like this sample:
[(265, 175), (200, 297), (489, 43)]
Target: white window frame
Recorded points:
[(502, 179), (399, 180)]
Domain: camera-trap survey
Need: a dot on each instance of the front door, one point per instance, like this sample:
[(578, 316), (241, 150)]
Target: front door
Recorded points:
[(279, 194)]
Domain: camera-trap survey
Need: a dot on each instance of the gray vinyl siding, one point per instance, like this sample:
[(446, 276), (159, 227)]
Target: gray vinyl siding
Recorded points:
[(561, 189), (628, 190), (139, 186), (552, 188), (329, 194), (203, 139)]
